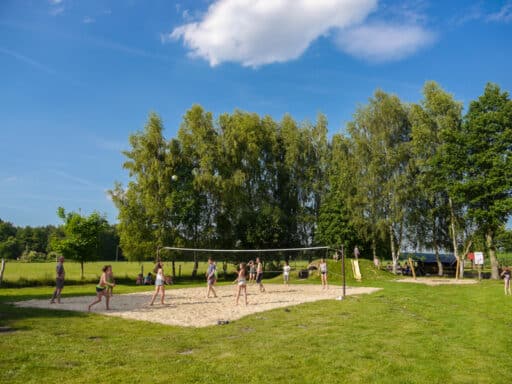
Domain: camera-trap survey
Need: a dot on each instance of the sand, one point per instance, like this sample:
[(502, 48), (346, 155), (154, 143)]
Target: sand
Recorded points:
[(188, 307), (432, 281)]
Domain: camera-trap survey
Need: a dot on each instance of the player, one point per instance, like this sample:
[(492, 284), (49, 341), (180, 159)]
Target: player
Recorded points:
[(101, 288), (110, 279), (159, 284), (286, 272), (241, 283), (323, 273), (211, 274), (259, 274), (252, 272)]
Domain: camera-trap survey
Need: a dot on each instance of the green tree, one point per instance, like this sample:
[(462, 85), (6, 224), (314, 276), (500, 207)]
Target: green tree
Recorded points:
[(335, 227), (10, 247), (433, 215), (81, 236), (381, 135), (487, 185)]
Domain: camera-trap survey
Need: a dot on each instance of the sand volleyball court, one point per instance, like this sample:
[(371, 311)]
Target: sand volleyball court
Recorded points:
[(188, 307), (432, 281)]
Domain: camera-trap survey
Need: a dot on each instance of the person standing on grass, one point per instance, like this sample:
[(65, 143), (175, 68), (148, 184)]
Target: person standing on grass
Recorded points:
[(159, 284), (323, 273), (101, 288), (506, 279), (59, 280), (252, 272), (286, 272), (210, 278), (241, 283), (259, 274)]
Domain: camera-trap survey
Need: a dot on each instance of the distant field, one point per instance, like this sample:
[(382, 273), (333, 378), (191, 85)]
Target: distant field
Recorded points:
[(44, 273), (31, 274)]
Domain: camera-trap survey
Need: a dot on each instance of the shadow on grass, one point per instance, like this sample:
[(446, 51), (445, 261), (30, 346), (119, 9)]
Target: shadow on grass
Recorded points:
[(10, 315)]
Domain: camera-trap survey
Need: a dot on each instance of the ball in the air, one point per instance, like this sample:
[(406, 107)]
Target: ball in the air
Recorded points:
[(174, 177)]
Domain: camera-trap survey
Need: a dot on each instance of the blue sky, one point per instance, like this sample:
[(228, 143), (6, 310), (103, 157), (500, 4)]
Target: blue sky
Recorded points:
[(77, 77)]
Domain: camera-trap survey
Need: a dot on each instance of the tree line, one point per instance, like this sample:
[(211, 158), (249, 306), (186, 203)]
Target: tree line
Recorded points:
[(46, 243), (402, 176)]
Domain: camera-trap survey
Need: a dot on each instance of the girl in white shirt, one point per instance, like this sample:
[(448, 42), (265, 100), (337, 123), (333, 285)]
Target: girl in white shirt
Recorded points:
[(241, 283), (286, 272), (323, 273), (159, 283)]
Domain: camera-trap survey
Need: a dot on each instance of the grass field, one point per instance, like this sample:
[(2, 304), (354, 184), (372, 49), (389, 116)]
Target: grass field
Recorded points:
[(406, 333), (29, 274)]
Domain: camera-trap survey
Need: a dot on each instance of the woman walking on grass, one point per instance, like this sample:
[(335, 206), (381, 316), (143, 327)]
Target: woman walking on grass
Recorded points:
[(241, 283), (506, 279), (159, 284), (101, 288)]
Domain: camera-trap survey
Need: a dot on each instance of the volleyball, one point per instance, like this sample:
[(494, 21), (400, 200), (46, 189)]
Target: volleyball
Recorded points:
[(174, 177)]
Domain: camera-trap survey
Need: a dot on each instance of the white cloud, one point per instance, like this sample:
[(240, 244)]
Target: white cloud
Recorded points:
[(257, 32), (503, 15), (88, 20), (55, 2), (57, 11), (27, 60), (383, 42)]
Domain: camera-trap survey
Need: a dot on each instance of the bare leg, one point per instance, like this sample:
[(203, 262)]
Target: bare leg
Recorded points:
[(107, 301), (245, 294), (162, 294), (154, 295), (98, 299), (238, 294), (56, 295)]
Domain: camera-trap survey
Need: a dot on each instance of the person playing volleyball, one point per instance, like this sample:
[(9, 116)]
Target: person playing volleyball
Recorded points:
[(211, 274), (159, 283), (286, 272), (241, 283), (252, 272), (323, 273), (110, 279), (259, 274), (101, 288)]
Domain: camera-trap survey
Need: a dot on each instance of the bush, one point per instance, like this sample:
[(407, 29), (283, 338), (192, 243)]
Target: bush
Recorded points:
[(33, 256)]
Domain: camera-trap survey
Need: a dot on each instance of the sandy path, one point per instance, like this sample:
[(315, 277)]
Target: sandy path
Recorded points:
[(436, 281), (188, 306)]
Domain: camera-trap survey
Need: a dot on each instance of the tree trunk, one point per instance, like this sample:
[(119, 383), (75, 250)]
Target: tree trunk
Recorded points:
[(173, 263), (2, 269), (438, 260), (489, 240), (453, 231), (82, 269), (393, 250), (196, 266), (463, 258), (374, 249)]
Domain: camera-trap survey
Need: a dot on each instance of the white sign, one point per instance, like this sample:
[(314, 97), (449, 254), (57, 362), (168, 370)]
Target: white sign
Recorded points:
[(479, 258)]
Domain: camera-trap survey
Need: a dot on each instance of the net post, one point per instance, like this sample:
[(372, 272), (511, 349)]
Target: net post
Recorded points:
[(343, 270)]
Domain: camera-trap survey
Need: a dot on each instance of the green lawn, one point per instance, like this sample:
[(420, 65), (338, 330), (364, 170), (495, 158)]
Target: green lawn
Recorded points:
[(406, 333)]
